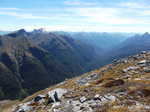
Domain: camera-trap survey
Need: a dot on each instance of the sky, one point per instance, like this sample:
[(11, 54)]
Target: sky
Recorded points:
[(76, 15)]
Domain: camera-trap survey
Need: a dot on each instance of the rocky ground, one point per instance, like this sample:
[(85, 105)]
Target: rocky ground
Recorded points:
[(123, 86)]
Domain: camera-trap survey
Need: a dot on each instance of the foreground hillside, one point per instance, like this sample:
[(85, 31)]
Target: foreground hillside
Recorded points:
[(123, 86)]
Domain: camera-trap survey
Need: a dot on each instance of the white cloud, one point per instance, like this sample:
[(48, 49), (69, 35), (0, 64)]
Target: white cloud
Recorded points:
[(137, 5), (22, 15), (9, 8), (124, 17), (78, 3), (112, 16), (87, 15), (130, 4), (78, 28)]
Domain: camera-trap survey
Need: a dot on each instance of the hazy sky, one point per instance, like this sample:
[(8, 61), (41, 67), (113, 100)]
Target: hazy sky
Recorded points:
[(76, 15)]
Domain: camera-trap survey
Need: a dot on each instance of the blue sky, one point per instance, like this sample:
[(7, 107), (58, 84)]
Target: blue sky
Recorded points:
[(76, 15)]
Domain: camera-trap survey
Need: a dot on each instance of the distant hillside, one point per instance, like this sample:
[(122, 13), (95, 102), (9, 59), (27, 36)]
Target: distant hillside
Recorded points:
[(98, 40), (132, 46)]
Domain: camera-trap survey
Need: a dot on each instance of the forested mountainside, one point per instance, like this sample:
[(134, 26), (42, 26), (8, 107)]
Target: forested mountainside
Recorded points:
[(30, 61)]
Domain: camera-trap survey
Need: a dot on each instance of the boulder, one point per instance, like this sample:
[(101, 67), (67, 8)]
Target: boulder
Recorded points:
[(83, 99), (21, 110), (110, 97), (85, 80), (143, 52), (97, 97), (38, 98), (105, 98), (56, 97), (129, 68), (146, 69), (143, 63), (56, 94), (24, 107), (48, 101)]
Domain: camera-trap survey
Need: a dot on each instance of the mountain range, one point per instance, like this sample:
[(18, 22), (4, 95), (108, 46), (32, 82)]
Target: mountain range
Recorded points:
[(31, 61), (99, 40)]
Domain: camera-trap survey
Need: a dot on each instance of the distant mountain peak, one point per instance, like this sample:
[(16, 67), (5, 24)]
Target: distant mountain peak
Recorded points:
[(41, 30), (146, 35), (21, 32)]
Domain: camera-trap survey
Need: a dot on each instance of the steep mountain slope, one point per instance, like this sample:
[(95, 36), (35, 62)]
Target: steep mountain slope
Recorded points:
[(122, 86), (132, 46), (74, 54), (21, 63), (38, 59)]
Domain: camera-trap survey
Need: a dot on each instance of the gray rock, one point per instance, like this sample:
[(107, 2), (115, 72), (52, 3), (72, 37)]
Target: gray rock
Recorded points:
[(87, 79), (56, 94), (83, 99)]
